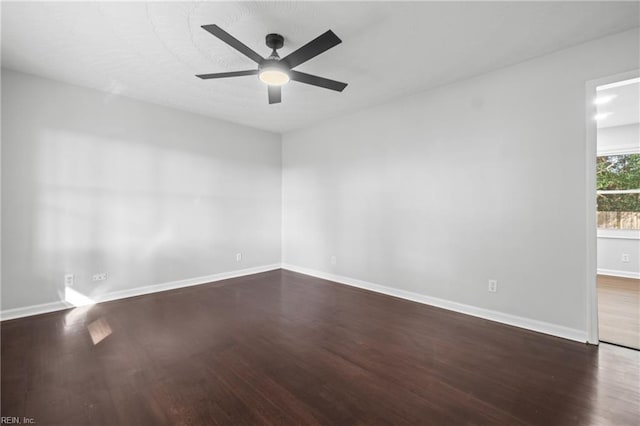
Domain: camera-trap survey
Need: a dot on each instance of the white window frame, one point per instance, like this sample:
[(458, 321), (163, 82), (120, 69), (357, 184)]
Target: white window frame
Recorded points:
[(632, 234)]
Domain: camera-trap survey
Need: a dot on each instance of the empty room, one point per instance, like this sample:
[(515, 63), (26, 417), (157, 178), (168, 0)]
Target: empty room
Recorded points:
[(305, 213)]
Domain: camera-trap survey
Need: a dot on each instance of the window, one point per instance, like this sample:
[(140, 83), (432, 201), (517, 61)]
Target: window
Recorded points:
[(618, 184)]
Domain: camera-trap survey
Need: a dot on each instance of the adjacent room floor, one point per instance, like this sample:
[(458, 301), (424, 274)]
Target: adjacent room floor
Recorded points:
[(619, 310), (285, 348)]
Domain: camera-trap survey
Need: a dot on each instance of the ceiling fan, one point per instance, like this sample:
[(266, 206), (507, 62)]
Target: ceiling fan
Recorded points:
[(276, 72)]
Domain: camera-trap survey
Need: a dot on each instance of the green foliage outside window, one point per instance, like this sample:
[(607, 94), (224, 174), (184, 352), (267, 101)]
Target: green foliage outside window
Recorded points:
[(615, 172)]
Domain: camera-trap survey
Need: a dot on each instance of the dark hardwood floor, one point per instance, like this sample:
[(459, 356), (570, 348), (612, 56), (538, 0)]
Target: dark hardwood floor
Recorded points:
[(285, 348), (619, 310)]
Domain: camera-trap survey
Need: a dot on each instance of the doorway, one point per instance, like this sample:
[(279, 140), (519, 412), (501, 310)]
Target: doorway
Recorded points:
[(617, 180)]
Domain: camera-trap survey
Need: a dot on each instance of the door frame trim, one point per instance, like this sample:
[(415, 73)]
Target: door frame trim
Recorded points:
[(590, 204)]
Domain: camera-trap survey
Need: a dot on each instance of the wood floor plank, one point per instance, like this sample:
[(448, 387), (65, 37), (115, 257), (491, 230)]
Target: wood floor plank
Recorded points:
[(619, 310), (285, 348)]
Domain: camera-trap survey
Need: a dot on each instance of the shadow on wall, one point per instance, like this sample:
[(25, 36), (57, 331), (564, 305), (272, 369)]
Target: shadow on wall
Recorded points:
[(146, 214), (109, 204)]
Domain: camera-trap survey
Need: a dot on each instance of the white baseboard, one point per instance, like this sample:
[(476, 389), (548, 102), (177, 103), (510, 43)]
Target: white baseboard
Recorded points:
[(27, 311), (517, 321), (138, 291), (622, 274)]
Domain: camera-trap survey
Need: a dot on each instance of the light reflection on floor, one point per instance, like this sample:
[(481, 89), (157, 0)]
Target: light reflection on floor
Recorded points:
[(98, 329), (76, 316)]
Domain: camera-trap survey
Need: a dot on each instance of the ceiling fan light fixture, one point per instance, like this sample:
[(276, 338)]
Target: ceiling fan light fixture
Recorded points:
[(274, 77), (274, 74)]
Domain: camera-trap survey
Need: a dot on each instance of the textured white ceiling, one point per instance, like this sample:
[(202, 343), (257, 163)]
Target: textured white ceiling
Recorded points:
[(151, 51)]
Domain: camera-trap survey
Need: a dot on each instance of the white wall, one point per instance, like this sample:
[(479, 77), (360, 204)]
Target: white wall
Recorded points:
[(437, 193), (612, 244), (93, 183)]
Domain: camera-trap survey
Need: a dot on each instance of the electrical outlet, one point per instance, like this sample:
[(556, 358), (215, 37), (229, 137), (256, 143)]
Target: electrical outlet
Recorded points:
[(238, 257), (493, 286), (68, 280), (625, 257), (99, 277), (334, 261)]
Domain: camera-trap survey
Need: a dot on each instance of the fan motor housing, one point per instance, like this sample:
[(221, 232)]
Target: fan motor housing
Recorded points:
[(273, 64)]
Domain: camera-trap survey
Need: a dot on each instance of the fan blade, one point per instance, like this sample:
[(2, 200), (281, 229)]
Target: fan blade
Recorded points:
[(227, 74), (312, 49), (275, 94), (314, 80), (233, 42)]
